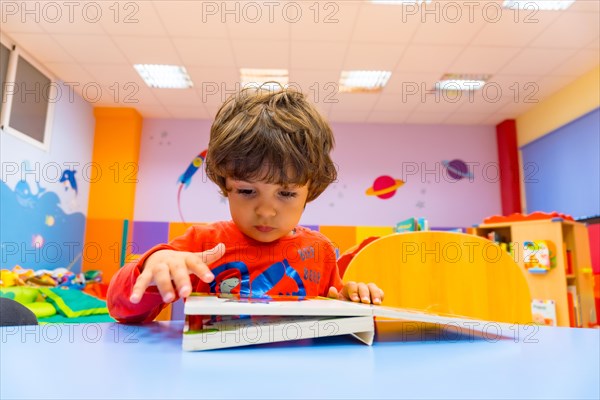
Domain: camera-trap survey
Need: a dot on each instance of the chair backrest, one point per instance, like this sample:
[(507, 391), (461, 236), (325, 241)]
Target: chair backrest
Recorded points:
[(445, 272)]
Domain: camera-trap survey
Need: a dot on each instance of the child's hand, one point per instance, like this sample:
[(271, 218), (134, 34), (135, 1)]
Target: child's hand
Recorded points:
[(165, 267), (358, 292)]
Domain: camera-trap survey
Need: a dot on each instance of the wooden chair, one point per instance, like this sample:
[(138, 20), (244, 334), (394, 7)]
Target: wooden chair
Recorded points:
[(445, 272)]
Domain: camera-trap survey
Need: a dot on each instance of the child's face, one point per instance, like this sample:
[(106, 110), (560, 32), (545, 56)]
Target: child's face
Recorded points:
[(265, 211)]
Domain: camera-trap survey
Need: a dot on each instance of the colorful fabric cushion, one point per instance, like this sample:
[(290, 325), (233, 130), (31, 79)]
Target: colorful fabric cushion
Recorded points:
[(41, 309), (73, 303), (20, 294)]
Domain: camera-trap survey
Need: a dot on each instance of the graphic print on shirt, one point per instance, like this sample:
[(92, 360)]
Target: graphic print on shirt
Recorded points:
[(234, 278)]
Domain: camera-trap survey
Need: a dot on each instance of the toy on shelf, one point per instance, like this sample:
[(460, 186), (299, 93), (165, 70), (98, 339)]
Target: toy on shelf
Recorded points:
[(412, 225), (543, 312), (539, 256)]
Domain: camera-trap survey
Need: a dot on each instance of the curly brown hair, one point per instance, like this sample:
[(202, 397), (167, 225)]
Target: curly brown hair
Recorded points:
[(273, 136)]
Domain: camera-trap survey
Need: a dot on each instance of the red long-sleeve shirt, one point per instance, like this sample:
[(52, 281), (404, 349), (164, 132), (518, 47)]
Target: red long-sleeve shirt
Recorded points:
[(301, 264)]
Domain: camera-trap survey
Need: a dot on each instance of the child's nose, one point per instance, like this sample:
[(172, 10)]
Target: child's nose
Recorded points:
[(266, 209)]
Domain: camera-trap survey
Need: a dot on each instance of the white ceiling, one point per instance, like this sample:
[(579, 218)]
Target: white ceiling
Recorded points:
[(530, 54)]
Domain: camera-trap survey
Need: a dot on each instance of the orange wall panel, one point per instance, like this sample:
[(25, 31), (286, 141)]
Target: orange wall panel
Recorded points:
[(113, 175), (343, 237), (102, 249)]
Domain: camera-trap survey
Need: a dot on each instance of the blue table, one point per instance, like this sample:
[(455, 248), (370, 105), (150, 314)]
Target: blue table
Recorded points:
[(108, 360)]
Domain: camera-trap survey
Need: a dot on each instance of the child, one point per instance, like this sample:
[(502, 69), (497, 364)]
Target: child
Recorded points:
[(269, 154)]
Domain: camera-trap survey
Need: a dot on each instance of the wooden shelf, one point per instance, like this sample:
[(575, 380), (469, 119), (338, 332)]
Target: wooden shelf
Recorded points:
[(553, 285)]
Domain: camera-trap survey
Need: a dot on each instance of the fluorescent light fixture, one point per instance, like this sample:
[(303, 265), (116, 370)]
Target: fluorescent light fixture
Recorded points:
[(269, 79), (419, 2), (461, 82), (164, 76), (363, 81), (543, 5)]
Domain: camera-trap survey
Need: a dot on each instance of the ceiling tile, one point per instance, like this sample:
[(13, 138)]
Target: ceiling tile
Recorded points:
[(585, 6), (483, 60), (15, 18), (373, 56), (515, 109), (534, 61), (443, 102), (215, 85), (135, 18), (82, 18), (580, 63), (91, 49), (111, 96), (447, 23), (108, 75), (317, 55), (153, 111), (136, 49), (504, 88), (480, 102), (411, 84), (513, 27), (178, 97), (110, 91), (594, 44), (70, 73), (192, 18), (384, 23), (262, 54), (197, 52), (187, 112), (356, 101), (426, 58), (331, 21), (252, 20), (531, 55), (547, 86), (569, 30), (42, 48), (387, 103), (320, 87)]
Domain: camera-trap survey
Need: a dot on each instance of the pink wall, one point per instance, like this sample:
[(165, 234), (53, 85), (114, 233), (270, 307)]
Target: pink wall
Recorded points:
[(412, 153)]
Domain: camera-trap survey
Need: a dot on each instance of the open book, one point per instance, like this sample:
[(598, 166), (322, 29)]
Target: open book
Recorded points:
[(219, 322)]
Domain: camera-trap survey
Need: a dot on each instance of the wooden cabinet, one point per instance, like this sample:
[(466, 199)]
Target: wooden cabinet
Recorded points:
[(570, 241)]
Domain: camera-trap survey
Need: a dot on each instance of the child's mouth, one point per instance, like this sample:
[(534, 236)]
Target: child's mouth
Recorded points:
[(263, 229)]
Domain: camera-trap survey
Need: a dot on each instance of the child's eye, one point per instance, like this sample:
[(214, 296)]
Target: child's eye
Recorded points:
[(245, 192), (288, 194)]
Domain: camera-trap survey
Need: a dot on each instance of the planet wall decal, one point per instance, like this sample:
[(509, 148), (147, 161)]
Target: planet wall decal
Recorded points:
[(457, 169), (384, 187)]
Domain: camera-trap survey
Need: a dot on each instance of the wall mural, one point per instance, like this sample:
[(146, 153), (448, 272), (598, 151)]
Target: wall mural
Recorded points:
[(457, 169), (36, 232), (186, 178), (384, 187)]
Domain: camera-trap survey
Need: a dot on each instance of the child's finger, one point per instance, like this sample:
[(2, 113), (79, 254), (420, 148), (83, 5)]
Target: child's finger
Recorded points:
[(196, 266), (376, 293), (162, 279), (363, 293), (332, 293), (212, 255), (351, 291), (141, 284), (198, 263), (181, 279)]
